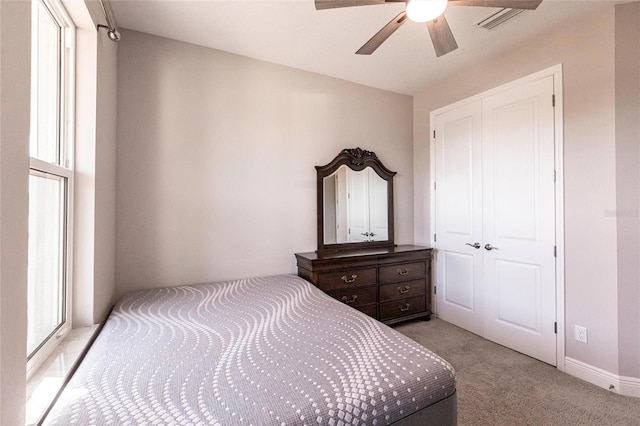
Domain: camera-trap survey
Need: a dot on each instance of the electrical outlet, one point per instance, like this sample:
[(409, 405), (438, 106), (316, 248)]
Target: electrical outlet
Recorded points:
[(581, 333)]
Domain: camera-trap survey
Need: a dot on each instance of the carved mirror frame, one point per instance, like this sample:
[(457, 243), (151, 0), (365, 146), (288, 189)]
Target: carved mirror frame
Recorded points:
[(356, 159)]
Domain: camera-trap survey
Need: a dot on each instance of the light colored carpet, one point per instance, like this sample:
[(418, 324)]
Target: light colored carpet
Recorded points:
[(498, 386)]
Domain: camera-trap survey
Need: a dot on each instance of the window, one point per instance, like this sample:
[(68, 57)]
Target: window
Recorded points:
[(50, 180)]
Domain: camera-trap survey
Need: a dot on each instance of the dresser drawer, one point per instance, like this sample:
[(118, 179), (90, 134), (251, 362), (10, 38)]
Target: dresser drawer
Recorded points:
[(349, 278), (356, 296), (402, 290), (371, 310), (402, 272), (402, 307)]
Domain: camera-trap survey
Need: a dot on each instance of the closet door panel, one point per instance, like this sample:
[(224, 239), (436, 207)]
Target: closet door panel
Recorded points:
[(515, 177), (518, 295), (519, 219), (459, 217), (458, 271)]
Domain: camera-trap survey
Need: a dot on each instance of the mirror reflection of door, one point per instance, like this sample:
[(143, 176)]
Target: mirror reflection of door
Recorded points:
[(378, 221), (355, 206), (342, 230), (358, 204)]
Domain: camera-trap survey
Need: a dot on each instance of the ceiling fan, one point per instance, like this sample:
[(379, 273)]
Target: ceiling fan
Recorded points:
[(429, 11)]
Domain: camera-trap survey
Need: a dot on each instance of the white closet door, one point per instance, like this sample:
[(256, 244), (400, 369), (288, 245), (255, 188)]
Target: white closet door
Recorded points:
[(459, 217), (494, 171), (519, 219)]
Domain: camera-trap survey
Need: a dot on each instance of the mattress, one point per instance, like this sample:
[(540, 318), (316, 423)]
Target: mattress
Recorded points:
[(262, 351)]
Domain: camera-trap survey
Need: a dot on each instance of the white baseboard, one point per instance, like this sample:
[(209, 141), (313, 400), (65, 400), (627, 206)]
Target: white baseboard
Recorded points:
[(630, 386), (627, 386)]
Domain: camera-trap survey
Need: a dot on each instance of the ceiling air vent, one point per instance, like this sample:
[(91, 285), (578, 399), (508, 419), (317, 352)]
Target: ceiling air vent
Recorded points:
[(498, 18)]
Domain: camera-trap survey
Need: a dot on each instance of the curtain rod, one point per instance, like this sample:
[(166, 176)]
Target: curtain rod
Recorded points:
[(111, 27)]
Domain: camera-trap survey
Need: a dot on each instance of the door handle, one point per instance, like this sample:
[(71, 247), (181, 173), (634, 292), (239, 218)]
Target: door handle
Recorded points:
[(475, 245), (489, 247)]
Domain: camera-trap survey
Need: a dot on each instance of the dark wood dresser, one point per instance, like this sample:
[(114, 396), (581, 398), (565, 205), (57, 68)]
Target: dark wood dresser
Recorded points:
[(389, 284)]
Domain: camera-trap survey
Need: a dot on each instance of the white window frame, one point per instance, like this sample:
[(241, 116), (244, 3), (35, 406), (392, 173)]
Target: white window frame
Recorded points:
[(66, 129)]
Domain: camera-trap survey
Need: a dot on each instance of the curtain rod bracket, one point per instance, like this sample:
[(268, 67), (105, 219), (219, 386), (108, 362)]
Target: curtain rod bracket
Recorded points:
[(111, 27), (113, 34)]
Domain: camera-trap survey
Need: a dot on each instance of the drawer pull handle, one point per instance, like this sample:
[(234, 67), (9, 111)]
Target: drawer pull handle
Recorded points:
[(403, 271), (404, 308), (349, 280), (346, 299), (404, 290)]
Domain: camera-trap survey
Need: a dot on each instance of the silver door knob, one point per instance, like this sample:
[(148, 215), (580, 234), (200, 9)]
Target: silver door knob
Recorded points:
[(489, 247), (475, 245)]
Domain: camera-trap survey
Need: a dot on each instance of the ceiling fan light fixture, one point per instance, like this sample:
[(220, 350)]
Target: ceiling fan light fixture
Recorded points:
[(425, 10)]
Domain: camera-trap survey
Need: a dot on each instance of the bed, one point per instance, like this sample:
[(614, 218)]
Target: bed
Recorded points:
[(261, 351)]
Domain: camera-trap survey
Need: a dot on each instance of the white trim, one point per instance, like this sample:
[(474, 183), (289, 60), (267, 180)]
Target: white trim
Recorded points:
[(627, 386), (50, 168), (556, 72), (432, 211), (630, 386)]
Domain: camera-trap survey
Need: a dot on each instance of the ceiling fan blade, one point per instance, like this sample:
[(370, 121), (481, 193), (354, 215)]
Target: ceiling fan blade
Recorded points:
[(332, 4), (386, 31), (511, 4), (441, 36)]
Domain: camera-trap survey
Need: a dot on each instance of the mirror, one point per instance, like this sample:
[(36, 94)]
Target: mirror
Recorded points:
[(355, 206), (355, 202)]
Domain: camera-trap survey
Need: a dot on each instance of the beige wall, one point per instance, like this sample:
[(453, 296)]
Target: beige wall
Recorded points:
[(586, 50), (95, 182), (627, 79), (15, 39), (216, 156), (105, 182)]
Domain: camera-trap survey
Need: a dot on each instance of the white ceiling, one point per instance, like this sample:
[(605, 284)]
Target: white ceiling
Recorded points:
[(293, 33)]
